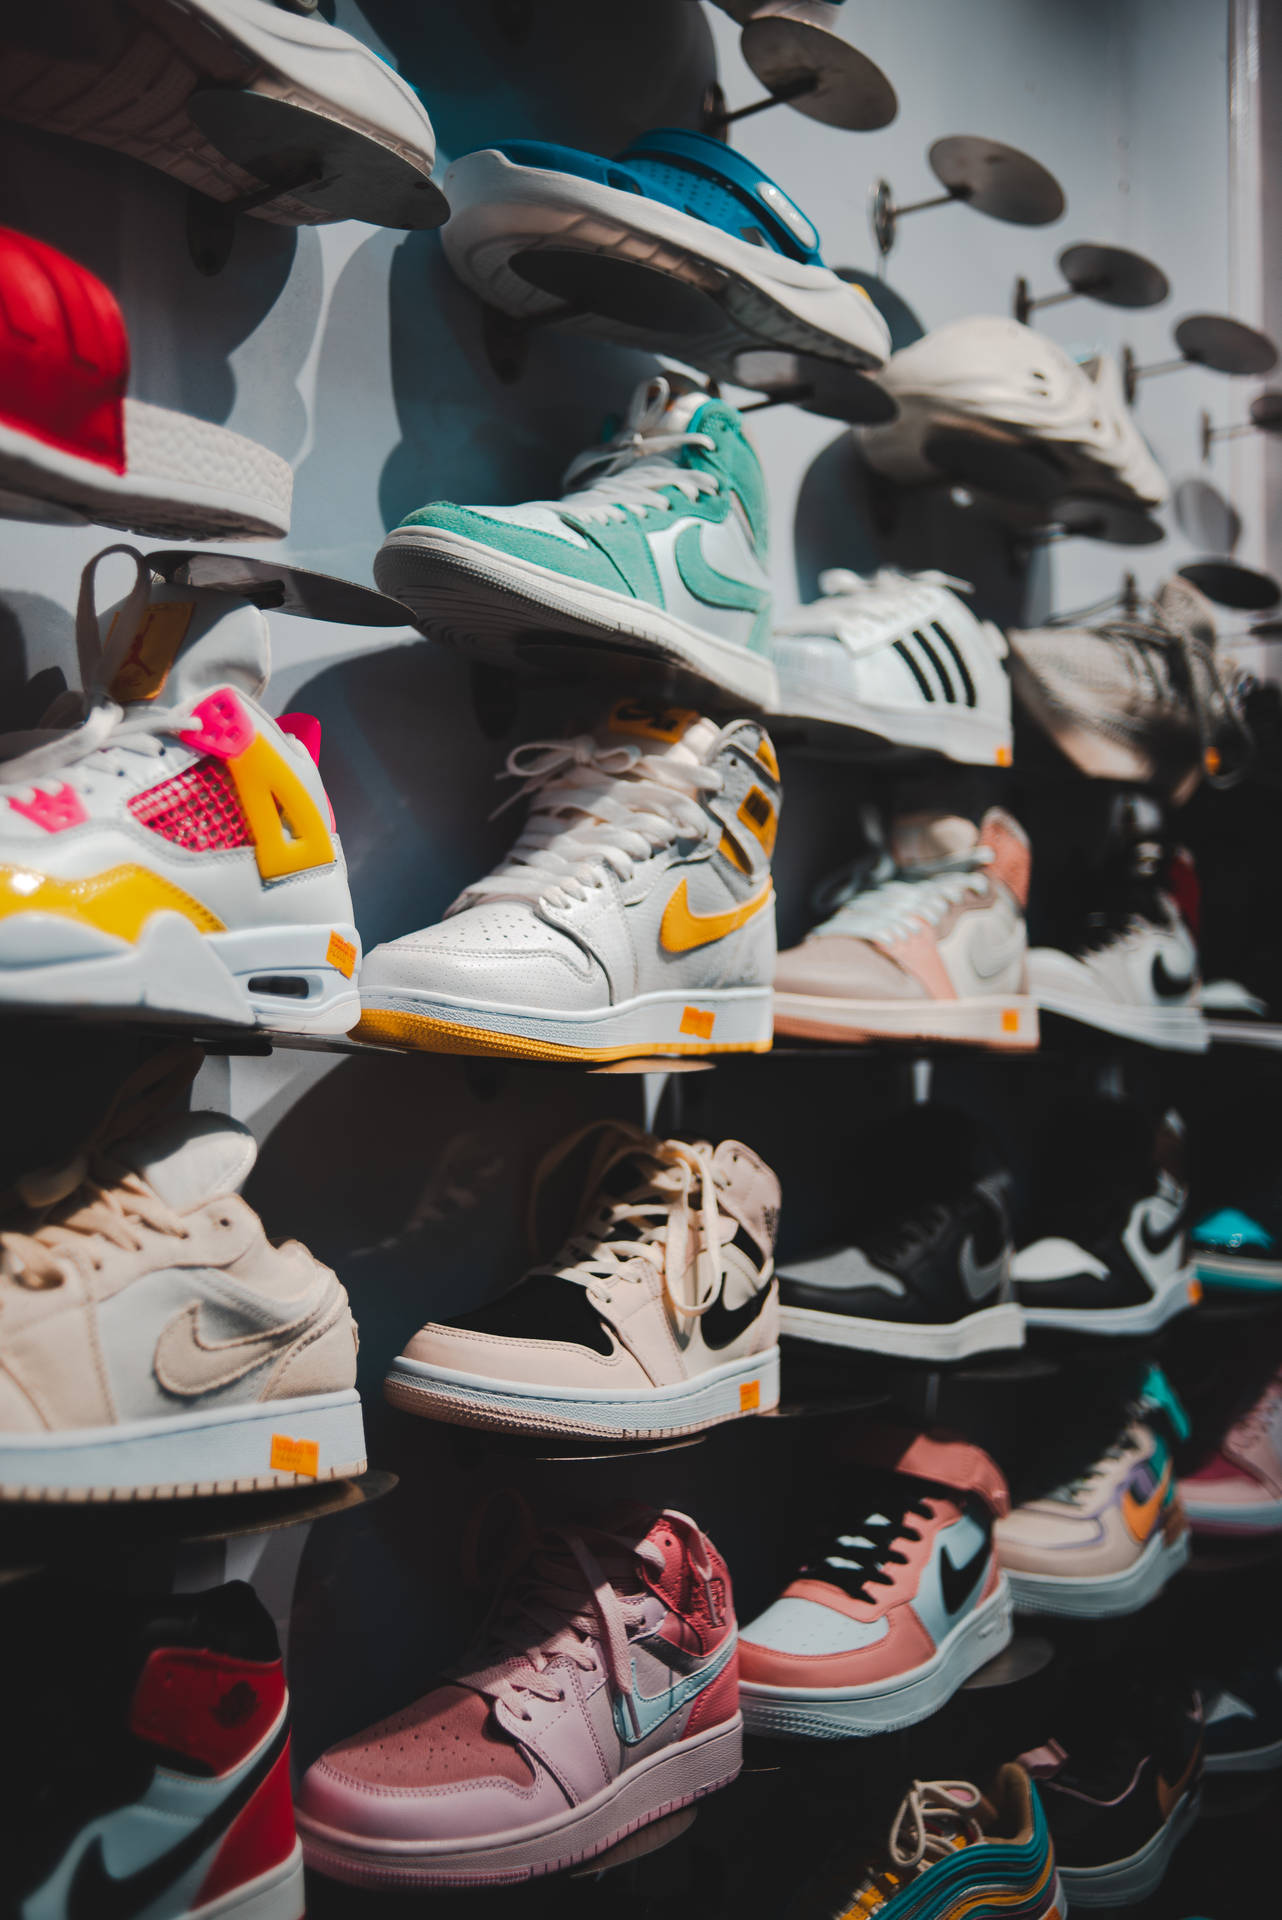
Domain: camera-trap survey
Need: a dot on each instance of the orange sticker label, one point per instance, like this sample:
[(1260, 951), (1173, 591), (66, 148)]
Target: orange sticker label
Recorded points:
[(651, 723), (1010, 1019), (341, 953), (1003, 757), (1195, 1292), (145, 668), (295, 1456), (697, 1021), (749, 1396)]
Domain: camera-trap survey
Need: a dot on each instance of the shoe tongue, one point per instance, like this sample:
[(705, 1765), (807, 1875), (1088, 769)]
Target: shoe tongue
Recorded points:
[(1186, 609), (189, 641), (191, 1160), (917, 838), (665, 732)]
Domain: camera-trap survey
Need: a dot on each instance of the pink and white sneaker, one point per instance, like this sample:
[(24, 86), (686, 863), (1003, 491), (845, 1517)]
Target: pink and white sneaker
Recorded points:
[(603, 1695), (1239, 1489), (882, 1627)]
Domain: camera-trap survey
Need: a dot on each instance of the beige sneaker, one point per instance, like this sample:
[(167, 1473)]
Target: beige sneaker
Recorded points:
[(659, 1316), (934, 950), (155, 1344)]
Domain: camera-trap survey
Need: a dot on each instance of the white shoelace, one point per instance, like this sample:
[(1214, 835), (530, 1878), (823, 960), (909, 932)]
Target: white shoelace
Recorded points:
[(595, 810), (933, 1818), (870, 602), (628, 473), (918, 896), (81, 1207)]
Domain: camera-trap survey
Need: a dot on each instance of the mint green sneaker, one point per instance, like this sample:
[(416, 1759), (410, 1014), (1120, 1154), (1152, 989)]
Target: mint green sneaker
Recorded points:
[(657, 548)]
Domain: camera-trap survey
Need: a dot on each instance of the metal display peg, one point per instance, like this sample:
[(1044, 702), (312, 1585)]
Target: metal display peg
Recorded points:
[(1112, 275), (1265, 416), (278, 586), (1212, 340), (981, 174), (1231, 585), (796, 52)]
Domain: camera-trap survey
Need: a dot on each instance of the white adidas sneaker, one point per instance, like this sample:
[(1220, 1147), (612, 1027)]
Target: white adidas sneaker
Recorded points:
[(901, 657), (633, 916), (174, 852)]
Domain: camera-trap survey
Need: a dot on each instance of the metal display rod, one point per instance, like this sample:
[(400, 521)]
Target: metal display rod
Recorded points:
[(1112, 275), (795, 51), (981, 174), (1265, 413), (1212, 340)]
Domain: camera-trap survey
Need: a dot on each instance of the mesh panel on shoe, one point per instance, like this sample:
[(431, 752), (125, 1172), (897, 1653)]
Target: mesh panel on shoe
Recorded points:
[(445, 1737), (199, 809)]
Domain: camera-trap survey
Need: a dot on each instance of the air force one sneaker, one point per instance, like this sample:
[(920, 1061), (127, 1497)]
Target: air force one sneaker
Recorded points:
[(695, 250), (930, 946), (1238, 1490), (900, 657), (154, 1344), (633, 916), (897, 1610), (659, 1315), (657, 548), (166, 848), (602, 1694), (992, 375)]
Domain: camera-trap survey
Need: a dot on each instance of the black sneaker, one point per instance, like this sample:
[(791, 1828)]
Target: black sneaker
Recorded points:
[(1107, 1252), (1244, 1718), (926, 1273), (1120, 1804)]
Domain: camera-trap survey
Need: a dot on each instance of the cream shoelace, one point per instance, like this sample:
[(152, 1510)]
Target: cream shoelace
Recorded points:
[(595, 810), (933, 1817), (84, 1208), (894, 909), (628, 474), (870, 601)]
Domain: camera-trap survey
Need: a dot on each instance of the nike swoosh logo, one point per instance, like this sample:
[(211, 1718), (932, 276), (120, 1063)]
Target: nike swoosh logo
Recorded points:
[(1158, 1239), (1171, 986), (653, 1709), (706, 584), (957, 1584), (1169, 1792), (1141, 1516), (721, 1324), (682, 930), (980, 1280), (988, 960), (188, 1365), (96, 1894)]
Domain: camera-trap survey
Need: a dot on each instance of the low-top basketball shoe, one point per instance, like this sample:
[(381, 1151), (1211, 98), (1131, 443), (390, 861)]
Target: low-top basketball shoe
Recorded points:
[(174, 854), (900, 657), (1239, 1489), (933, 947), (155, 1344), (657, 549), (1105, 1250), (1240, 1247), (1244, 1713), (602, 1694), (634, 915), (901, 1607), (659, 1316)]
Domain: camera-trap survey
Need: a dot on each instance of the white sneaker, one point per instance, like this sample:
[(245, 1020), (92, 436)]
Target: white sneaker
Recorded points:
[(990, 371), (658, 548), (634, 916), (1135, 975), (174, 853), (899, 656)]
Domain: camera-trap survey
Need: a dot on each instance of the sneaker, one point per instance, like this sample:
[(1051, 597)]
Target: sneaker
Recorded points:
[(1244, 1719), (882, 1627), (74, 447), (1107, 1541), (1239, 1489), (900, 657), (1139, 699), (601, 1695), (1133, 968), (634, 915), (1120, 1801), (155, 1344), (155, 1748), (1106, 1251), (171, 852), (992, 374), (659, 1316), (956, 1853), (927, 1275), (236, 98), (657, 549), (1240, 1248), (740, 259), (933, 949)]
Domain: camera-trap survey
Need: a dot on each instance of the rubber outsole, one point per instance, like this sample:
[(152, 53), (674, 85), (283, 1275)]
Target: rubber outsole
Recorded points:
[(998, 1329), (1006, 1023), (1174, 1297), (1107, 1597), (1124, 1883), (440, 1036)]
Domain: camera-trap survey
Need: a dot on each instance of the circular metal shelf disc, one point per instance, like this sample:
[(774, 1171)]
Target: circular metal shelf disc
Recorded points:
[(621, 290), (849, 90), (994, 462), (353, 177), (1114, 275), (1027, 1654), (827, 387), (1226, 346), (997, 180), (1266, 412), (1110, 521), (1230, 585), (1267, 630), (276, 586)]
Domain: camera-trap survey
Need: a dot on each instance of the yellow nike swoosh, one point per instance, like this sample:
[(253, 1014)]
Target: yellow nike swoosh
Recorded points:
[(681, 930), (1141, 1515)]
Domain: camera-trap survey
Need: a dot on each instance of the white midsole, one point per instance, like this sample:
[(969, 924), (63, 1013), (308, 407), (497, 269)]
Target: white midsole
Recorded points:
[(1182, 1029), (1123, 1883), (1244, 1516), (1172, 1295), (277, 1895), (986, 1330), (1236, 1266), (1250, 1760), (967, 735), (996, 1020), (741, 1016), (1106, 1595)]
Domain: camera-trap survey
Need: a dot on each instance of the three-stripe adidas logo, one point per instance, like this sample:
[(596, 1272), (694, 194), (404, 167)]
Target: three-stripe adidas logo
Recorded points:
[(938, 666)]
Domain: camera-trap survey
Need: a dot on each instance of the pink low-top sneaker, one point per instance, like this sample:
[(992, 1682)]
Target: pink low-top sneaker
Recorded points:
[(1239, 1489), (603, 1695)]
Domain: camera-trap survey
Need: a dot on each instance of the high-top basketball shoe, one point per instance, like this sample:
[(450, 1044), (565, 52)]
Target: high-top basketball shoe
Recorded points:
[(633, 916), (168, 848), (1239, 1489)]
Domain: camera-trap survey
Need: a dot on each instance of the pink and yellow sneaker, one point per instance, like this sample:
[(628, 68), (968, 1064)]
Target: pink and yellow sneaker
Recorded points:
[(1239, 1489), (603, 1696), (883, 1626)]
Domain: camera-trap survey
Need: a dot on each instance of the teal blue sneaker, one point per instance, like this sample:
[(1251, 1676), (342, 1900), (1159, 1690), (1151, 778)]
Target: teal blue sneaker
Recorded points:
[(658, 548)]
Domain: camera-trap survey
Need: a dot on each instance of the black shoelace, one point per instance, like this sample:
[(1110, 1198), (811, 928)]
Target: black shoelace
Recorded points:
[(856, 1559)]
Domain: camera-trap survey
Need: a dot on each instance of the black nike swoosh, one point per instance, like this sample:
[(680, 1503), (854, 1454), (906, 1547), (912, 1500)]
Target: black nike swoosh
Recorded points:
[(95, 1894), (1160, 1241), (1171, 986), (958, 1583), (721, 1324)]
